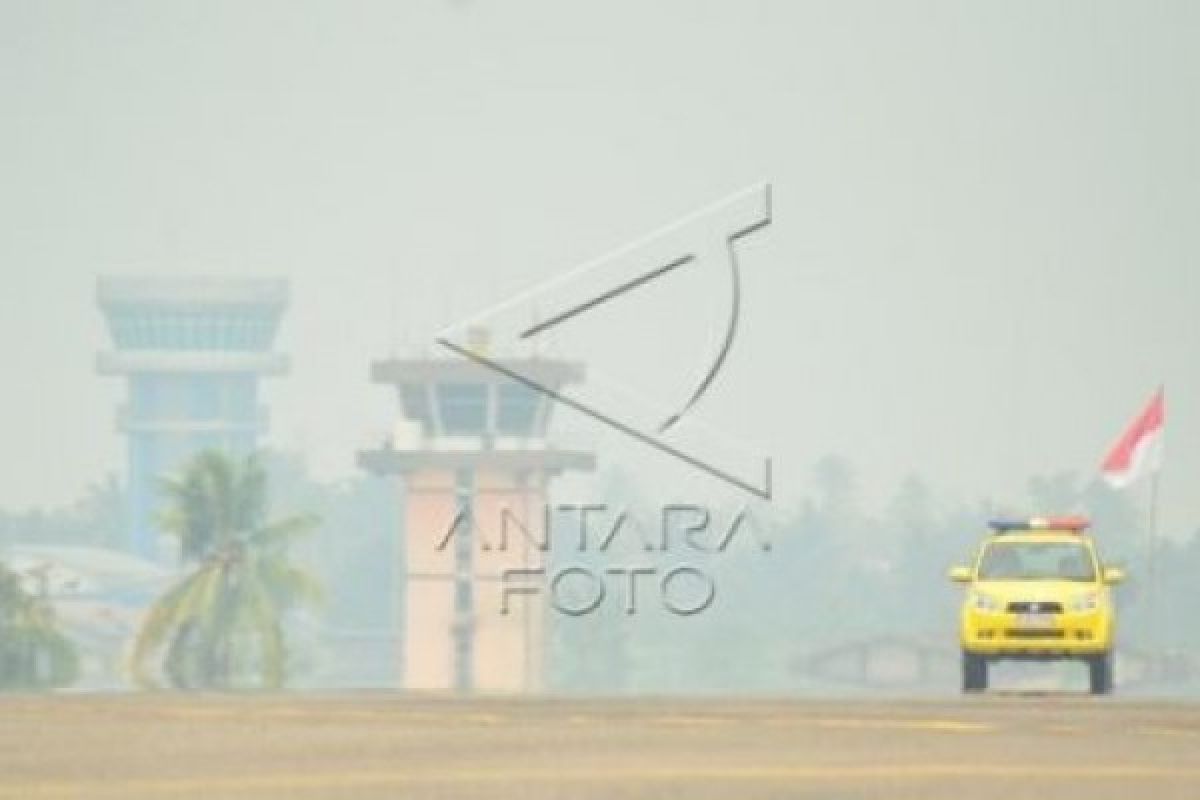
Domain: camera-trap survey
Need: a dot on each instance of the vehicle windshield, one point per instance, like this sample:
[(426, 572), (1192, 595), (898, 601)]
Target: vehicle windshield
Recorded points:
[(1037, 561)]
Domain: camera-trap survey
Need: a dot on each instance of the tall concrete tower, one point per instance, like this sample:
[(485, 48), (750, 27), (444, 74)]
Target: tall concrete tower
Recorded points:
[(192, 351), (475, 463)]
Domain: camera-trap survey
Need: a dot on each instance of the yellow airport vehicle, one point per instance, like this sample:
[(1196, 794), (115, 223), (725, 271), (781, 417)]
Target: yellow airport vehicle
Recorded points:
[(1037, 591)]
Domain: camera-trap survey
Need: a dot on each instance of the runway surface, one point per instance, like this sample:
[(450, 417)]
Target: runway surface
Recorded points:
[(393, 745)]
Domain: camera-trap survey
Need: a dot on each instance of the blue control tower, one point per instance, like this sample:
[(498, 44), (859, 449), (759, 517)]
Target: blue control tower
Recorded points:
[(192, 351)]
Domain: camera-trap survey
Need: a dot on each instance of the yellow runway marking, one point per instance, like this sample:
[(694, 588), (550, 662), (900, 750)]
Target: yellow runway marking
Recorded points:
[(678, 720), (941, 725), (1162, 731), (686, 773)]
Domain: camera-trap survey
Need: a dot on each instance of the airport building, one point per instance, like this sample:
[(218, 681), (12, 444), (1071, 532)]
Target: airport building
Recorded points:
[(475, 464), (192, 352)]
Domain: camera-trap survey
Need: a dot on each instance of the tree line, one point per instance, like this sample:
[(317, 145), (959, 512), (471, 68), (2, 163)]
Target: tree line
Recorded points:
[(221, 624)]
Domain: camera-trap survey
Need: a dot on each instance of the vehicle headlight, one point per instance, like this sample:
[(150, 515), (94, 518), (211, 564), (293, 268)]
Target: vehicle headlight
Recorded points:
[(1084, 602), (984, 602)]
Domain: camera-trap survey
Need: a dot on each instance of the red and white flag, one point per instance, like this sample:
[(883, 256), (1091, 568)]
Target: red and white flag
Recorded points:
[(1139, 450)]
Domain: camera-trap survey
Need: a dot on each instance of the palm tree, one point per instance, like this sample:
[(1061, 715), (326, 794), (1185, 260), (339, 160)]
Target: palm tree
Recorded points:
[(221, 625), (34, 654)]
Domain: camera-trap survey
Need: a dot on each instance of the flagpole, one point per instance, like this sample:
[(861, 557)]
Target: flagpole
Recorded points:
[(1152, 542), (1151, 568), (1137, 450)]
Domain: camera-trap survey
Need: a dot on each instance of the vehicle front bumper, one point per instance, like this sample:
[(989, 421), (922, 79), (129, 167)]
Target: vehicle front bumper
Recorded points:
[(1063, 635)]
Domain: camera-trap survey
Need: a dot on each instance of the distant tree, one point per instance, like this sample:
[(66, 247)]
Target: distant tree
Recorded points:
[(1058, 493), (1178, 565), (355, 551), (911, 509), (1116, 519), (221, 625), (34, 653), (836, 485), (97, 519), (593, 652)]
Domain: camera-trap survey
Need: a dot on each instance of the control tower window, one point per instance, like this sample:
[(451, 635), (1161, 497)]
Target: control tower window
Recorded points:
[(463, 407), (516, 410)]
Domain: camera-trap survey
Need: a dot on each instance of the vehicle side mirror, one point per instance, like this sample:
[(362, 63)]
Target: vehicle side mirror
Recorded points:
[(961, 574), (1113, 575)]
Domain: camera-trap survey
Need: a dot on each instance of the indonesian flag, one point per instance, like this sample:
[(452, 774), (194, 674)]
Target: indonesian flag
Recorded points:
[(1139, 449)]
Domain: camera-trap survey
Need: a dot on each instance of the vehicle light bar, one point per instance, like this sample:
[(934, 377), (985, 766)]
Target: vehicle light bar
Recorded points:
[(1073, 523)]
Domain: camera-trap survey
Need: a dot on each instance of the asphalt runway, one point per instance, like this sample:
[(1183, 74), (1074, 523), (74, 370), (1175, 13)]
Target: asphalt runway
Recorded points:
[(395, 745)]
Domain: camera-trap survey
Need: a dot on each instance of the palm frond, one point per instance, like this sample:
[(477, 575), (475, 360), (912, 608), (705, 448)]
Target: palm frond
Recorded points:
[(290, 585), (249, 498), (242, 585), (283, 531), (169, 613), (263, 616)]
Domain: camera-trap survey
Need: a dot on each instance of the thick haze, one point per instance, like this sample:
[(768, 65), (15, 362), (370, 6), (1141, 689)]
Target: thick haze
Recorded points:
[(984, 256)]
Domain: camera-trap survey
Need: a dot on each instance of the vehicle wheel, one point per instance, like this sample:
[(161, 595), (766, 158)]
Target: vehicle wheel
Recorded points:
[(1100, 673), (974, 672)]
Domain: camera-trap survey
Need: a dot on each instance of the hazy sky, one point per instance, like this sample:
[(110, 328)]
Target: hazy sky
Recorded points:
[(984, 256)]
